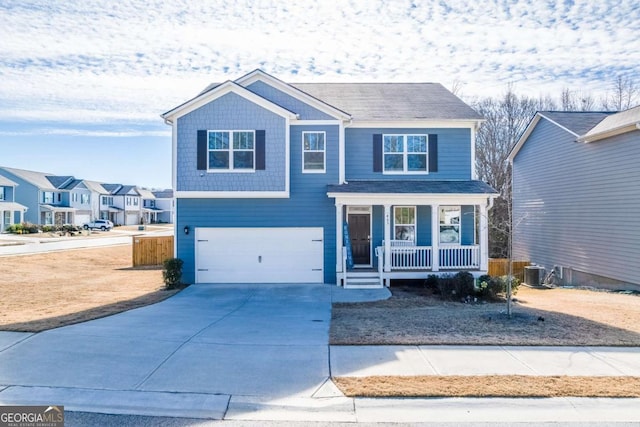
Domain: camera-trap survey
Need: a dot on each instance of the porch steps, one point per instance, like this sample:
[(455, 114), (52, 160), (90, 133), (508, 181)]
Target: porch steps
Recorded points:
[(362, 280)]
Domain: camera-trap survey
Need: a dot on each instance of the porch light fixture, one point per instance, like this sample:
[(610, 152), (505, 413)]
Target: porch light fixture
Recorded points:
[(186, 229)]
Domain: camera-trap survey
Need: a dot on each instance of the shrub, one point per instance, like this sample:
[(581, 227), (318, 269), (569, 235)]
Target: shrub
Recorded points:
[(490, 287), (431, 282), (28, 228), (172, 272), (47, 228)]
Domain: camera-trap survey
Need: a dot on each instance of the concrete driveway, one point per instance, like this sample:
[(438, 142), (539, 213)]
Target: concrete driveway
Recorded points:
[(186, 356)]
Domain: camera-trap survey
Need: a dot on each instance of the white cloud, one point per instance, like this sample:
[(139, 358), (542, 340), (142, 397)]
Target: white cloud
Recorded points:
[(129, 61)]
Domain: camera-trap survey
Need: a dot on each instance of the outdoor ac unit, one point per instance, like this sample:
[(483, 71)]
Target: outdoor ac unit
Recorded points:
[(533, 275)]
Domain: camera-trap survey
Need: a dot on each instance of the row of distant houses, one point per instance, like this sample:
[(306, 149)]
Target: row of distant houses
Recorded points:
[(48, 199)]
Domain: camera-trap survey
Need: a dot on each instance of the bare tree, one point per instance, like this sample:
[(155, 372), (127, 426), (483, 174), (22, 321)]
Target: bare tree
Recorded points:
[(506, 118), (624, 94)]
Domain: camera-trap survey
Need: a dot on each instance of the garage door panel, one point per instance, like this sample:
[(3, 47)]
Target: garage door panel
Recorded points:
[(255, 255)]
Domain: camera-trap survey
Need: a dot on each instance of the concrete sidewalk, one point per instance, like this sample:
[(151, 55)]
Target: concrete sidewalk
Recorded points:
[(260, 352)]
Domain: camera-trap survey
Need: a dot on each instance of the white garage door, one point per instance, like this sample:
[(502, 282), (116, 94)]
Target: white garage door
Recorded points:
[(259, 255)]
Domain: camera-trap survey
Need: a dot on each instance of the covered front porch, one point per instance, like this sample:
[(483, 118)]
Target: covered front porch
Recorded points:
[(423, 228)]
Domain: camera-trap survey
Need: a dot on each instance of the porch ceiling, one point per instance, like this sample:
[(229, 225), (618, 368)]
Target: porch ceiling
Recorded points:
[(58, 208)]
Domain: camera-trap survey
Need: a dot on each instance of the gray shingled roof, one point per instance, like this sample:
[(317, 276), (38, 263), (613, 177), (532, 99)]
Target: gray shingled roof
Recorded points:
[(413, 187), (578, 122), (391, 101), (58, 180), (163, 194), (6, 182), (39, 179)]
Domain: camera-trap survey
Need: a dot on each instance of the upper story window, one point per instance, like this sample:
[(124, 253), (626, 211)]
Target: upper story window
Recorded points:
[(48, 197), (231, 150), (450, 217), (74, 197), (107, 200), (313, 152), (405, 153), (1, 193), (85, 199)]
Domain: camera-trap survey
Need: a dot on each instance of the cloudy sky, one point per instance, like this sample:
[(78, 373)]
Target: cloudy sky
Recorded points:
[(82, 83)]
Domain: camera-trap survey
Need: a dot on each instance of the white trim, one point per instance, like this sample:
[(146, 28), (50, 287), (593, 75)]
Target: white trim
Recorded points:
[(316, 122), (527, 132), (259, 75), (324, 152), (341, 154), (474, 173), (231, 194), (219, 91), (458, 124), (609, 133)]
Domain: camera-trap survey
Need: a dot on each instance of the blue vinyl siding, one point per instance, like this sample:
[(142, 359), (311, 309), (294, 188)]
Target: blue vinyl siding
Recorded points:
[(468, 225), (231, 112), (310, 209), (424, 226), (305, 111), (307, 206), (27, 195), (454, 154)]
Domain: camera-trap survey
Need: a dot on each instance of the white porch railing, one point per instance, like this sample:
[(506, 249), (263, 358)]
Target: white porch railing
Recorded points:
[(457, 257), (421, 257)]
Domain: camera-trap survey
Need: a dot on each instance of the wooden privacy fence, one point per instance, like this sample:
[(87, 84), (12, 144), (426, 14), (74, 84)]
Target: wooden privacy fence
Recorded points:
[(151, 250), (500, 267)]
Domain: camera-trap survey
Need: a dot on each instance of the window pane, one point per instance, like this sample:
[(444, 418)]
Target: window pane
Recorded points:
[(243, 159), (314, 161), (405, 232), (393, 162), (243, 140), (218, 140), (417, 162), (449, 234), (393, 143), (417, 144), (313, 141), (218, 160), (450, 215)]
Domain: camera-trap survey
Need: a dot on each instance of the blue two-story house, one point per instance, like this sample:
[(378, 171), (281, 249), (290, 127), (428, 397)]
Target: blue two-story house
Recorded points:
[(10, 211), (346, 183)]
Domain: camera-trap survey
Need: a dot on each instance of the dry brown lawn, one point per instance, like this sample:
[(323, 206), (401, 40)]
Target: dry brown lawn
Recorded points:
[(540, 317), (48, 290), (489, 386)]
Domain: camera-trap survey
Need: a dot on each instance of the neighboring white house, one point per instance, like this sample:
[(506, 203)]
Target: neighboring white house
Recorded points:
[(123, 204), (150, 210)]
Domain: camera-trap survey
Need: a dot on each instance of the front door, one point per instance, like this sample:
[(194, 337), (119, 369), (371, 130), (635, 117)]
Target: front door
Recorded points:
[(360, 233)]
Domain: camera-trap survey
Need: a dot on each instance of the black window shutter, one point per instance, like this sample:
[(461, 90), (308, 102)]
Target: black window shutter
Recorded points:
[(433, 153), (202, 150), (260, 150), (377, 152)]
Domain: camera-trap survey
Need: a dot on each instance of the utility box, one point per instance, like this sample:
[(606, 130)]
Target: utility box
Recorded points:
[(533, 275)]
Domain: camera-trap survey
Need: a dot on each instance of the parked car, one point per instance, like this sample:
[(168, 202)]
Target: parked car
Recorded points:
[(102, 224)]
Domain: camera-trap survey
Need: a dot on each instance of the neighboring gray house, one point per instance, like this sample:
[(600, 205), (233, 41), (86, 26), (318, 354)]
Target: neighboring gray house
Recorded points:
[(45, 195), (10, 211), (164, 201), (80, 199), (576, 196)]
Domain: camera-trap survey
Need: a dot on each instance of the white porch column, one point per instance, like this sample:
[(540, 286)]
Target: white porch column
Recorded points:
[(339, 222), (387, 238), (484, 238), (435, 237)]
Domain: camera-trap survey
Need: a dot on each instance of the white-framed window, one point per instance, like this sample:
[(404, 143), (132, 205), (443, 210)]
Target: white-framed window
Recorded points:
[(2, 190), (405, 153), (450, 223), (404, 223), (128, 201), (74, 197), (85, 199), (107, 200), (231, 150), (135, 201), (314, 152), (48, 197)]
